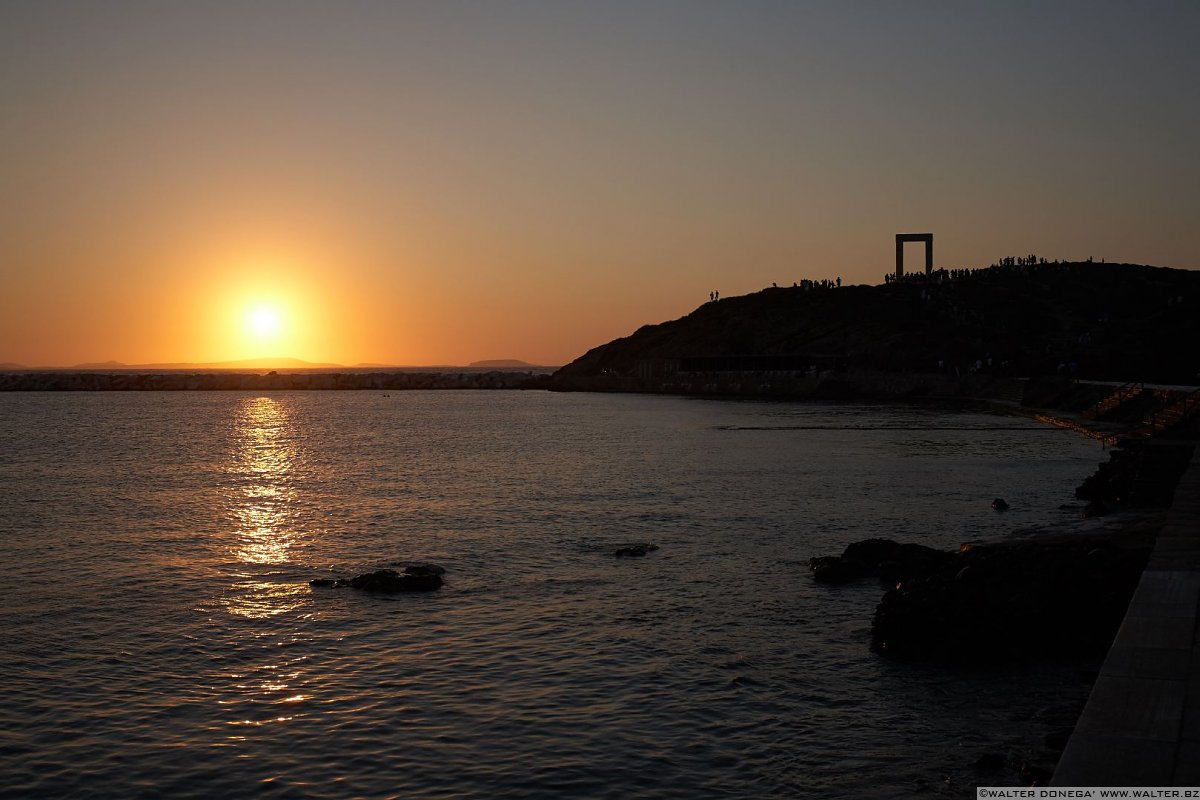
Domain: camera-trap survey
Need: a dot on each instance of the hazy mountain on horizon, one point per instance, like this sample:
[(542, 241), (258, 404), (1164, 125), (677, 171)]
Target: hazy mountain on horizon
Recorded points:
[(245, 363), (501, 362)]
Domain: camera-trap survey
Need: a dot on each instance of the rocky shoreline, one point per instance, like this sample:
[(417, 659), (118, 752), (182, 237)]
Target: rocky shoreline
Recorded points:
[(1049, 598), (1038, 597), (1047, 592)]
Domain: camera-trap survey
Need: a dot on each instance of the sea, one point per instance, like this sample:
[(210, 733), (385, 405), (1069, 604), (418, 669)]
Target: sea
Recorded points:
[(161, 638)]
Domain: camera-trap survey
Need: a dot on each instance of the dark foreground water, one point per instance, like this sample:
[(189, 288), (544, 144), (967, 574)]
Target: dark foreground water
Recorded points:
[(160, 637)]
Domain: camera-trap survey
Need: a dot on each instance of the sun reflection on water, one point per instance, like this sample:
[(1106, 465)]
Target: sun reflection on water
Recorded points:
[(263, 496), (266, 456)]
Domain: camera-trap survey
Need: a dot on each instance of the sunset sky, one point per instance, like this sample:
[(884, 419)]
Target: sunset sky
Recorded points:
[(443, 182)]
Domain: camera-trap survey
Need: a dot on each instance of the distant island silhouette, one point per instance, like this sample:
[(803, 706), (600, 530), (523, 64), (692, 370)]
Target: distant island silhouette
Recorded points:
[(246, 363), (502, 363)]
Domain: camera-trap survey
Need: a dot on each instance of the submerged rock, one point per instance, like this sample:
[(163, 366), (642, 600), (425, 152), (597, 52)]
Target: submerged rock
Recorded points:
[(388, 581), (999, 504), (635, 550)]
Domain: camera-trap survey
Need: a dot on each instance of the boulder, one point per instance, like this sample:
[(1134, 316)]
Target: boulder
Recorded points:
[(909, 560), (834, 570), (870, 551), (999, 504), (386, 581), (877, 558), (1010, 600)]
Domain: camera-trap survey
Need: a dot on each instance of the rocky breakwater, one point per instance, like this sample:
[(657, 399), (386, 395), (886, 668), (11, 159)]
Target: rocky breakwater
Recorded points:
[(1051, 596), (1138, 474), (243, 381)]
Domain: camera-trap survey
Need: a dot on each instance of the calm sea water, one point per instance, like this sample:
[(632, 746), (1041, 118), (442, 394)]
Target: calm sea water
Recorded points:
[(161, 639)]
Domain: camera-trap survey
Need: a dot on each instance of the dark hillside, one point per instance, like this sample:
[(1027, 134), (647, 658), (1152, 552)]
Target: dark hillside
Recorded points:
[(1116, 322)]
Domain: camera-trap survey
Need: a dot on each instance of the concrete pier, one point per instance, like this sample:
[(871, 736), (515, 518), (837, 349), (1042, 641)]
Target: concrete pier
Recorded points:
[(1141, 725)]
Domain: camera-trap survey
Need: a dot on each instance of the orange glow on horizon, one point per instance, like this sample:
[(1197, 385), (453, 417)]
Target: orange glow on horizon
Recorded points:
[(563, 186), (264, 306)]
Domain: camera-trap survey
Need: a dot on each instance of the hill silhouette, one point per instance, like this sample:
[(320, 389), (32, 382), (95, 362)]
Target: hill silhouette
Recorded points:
[(1118, 322)]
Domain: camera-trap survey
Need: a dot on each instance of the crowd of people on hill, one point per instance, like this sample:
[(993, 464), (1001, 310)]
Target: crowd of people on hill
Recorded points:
[(1006, 264), (808, 285)]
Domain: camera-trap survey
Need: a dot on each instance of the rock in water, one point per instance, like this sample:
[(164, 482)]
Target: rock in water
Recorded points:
[(871, 551), (834, 570), (635, 550), (876, 558), (389, 581), (1011, 600), (999, 504)]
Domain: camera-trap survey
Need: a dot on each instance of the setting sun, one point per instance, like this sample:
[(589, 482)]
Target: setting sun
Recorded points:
[(263, 322)]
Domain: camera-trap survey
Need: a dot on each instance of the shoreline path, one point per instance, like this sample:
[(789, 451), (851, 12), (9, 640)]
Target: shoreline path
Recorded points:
[(1141, 724)]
